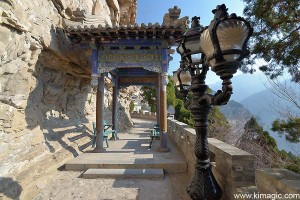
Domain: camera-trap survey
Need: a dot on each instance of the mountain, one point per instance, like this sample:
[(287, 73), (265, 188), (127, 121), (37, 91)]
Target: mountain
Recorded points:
[(244, 85), (261, 104), (234, 110), (265, 106)]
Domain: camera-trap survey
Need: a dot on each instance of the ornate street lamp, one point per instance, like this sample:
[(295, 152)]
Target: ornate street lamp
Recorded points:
[(182, 80), (221, 46)]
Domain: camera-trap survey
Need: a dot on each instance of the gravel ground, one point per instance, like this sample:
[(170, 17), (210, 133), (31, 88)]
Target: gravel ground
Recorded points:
[(66, 185)]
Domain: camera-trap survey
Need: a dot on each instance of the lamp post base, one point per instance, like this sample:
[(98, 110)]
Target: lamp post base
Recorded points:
[(163, 143), (99, 150), (163, 149), (204, 185)]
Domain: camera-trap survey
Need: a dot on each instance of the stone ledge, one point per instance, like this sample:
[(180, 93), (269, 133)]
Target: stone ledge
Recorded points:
[(232, 167), (278, 180), (146, 115), (217, 145)]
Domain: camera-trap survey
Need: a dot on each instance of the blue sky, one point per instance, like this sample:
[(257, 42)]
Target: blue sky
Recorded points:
[(154, 10)]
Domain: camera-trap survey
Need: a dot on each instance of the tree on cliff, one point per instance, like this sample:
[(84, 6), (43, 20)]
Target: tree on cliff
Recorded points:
[(276, 37), (171, 93), (149, 95), (258, 142), (182, 114), (131, 106), (277, 41), (218, 126), (289, 127)]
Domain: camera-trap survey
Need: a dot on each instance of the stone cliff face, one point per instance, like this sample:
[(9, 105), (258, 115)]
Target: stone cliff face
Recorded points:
[(46, 102)]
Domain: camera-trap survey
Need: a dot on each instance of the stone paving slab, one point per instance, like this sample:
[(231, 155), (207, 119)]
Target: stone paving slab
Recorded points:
[(131, 152)]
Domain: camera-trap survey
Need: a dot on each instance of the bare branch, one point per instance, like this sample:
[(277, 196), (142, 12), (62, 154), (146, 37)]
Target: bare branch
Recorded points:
[(281, 90), (284, 21), (289, 35)]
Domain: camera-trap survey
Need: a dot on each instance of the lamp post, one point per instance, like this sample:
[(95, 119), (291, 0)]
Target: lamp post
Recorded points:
[(221, 46)]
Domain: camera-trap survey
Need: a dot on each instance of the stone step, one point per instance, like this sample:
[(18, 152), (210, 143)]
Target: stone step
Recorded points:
[(124, 173), (127, 160)]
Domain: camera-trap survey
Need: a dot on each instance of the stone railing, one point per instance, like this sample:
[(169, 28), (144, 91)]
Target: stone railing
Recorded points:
[(282, 181), (232, 167), (143, 115)]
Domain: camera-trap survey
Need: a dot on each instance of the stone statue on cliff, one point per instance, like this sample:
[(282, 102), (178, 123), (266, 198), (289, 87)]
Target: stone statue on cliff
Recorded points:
[(172, 18), (80, 17), (128, 11), (121, 12)]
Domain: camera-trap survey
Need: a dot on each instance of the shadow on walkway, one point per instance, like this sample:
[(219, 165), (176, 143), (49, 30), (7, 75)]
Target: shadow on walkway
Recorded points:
[(10, 188)]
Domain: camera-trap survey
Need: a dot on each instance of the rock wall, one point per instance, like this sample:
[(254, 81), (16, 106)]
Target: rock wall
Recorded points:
[(46, 103)]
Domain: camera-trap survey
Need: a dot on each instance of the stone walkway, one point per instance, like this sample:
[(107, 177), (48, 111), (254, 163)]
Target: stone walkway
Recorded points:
[(69, 184)]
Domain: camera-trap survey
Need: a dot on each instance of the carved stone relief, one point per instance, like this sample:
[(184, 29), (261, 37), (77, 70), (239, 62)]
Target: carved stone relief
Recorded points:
[(128, 11)]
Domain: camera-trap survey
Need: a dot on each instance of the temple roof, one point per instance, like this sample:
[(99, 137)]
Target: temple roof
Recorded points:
[(83, 27), (111, 33)]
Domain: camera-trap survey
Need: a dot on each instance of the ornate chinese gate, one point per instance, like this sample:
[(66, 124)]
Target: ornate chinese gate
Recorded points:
[(132, 55)]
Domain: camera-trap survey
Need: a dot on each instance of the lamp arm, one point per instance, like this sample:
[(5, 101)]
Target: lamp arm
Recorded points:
[(221, 97), (187, 103), (179, 79)]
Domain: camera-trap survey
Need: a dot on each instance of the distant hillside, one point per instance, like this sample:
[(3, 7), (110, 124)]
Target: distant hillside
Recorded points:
[(264, 104), (244, 85), (237, 116), (234, 111), (261, 104)]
